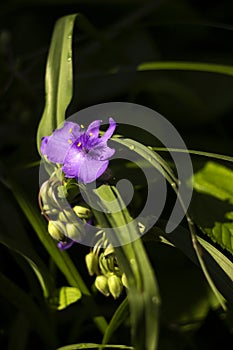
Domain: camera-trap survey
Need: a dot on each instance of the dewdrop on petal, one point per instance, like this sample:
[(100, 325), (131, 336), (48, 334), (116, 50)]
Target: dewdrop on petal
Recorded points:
[(115, 286), (101, 283)]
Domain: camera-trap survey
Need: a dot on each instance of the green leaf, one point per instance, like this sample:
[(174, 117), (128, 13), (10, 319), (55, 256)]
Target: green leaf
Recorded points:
[(220, 268), (215, 217), (118, 318), (59, 77), (221, 259), (20, 242), (216, 180), (67, 296), (187, 66), (94, 346), (143, 293)]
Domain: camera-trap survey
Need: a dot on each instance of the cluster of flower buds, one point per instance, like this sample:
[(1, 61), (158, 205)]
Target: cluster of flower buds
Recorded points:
[(63, 219), (109, 278)]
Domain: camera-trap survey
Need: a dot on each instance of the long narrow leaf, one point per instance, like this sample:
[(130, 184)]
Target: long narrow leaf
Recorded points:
[(118, 318), (143, 291), (59, 77), (186, 66), (94, 346)]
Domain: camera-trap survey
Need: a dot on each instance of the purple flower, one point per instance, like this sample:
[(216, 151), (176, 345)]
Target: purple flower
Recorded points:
[(83, 154), (65, 245)]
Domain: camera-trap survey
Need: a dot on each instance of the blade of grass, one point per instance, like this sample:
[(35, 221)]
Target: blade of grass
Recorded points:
[(186, 66)]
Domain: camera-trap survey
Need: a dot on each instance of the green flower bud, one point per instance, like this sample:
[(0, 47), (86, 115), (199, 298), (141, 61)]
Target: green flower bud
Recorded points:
[(91, 263), (115, 286), (101, 283), (124, 280), (73, 231), (103, 264), (55, 230), (82, 212), (109, 250), (67, 215), (50, 211)]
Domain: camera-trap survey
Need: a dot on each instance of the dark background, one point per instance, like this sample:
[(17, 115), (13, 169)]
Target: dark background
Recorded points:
[(120, 34)]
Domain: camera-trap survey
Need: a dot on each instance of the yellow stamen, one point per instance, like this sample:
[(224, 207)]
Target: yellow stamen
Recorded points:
[(79, 144), (91, 134), (69, 141), (70, 130), (82, 126)]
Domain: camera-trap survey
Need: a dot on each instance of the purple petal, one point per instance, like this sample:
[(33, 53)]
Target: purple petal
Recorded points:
[(56, 146), (91, 169), (93, 129), (101, 151), (65, 245), (108, 133), (72, 161), (82, 166), (44, 142)]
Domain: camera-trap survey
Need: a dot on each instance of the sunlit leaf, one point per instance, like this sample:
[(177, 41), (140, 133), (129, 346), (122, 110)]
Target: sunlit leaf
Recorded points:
[(67, 296), (94, 346), (215, 218), (187, 66), (143, 293), (59, 77)]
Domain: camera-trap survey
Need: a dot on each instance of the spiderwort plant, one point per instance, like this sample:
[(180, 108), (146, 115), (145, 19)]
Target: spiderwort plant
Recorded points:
[(84, 157), (83, 154)]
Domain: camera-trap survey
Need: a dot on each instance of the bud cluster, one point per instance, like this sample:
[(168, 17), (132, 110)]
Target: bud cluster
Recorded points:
[(65, 221), (109, 278)]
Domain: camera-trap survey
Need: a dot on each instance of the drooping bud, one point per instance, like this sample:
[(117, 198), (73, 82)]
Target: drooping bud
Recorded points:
[(91, 263), (82, 212), (115, 286), (124, 280), (55, 230), (67, 215), (73, 231), (101, 283)]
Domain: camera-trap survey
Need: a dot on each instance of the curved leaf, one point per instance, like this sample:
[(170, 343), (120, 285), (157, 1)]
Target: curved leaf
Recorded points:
[(94, 346), (118, 318), (59, 77), (187, 66)]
